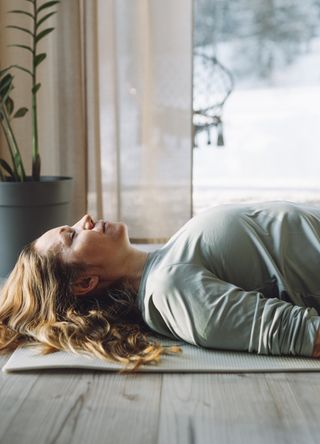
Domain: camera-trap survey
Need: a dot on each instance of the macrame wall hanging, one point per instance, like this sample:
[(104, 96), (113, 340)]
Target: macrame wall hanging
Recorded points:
[(212, 85)]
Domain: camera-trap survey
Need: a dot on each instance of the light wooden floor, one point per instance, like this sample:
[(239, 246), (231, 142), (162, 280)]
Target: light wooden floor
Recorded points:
[(82, 407)]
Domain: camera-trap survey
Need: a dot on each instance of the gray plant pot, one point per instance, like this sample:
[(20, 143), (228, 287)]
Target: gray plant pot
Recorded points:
[(28, 209)]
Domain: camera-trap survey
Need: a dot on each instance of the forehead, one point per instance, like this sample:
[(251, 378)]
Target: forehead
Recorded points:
[(50, 240)]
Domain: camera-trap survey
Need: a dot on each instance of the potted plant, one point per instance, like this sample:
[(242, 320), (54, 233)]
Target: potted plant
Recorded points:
[(29, 204)]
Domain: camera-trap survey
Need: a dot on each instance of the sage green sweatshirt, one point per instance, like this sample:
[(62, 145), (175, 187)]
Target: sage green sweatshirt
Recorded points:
[(238, 277)]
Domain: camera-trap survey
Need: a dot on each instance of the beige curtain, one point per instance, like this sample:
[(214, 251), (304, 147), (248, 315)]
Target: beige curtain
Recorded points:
[(145, 72), (115, 108), (62, 125)]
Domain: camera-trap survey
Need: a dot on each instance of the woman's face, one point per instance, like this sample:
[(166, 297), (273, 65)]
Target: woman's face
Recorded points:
[(102, 246)]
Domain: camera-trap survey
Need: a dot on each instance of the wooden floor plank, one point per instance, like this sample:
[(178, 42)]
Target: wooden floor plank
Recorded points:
[(82, 407), (120, 409), (231, 409), (306, 389), (15, 390)]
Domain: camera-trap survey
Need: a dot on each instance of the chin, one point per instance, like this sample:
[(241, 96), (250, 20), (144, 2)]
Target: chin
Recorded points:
[(125, 229), (121, 227), (124, 226)]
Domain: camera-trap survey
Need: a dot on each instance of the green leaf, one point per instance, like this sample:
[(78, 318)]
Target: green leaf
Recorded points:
[(39, 58), (21, 46), (5, 79), (36, 88), (47, 5), (39, 23), (19, 11), (4, 98), (20, 113), (4, 82), (22, 69), (7, 167), (5, 85), (20, 29), (43, 34), (9, 105)]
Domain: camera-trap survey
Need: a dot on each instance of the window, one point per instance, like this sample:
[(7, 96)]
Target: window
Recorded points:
[(265, 59)]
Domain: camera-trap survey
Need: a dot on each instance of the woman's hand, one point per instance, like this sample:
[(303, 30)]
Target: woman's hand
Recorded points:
[(316, 347)]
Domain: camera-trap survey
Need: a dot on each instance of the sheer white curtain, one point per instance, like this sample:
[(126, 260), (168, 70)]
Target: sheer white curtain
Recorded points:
[(145, 102)]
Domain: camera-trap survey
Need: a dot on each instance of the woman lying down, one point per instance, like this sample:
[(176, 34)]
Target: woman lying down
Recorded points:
[(235, 277)]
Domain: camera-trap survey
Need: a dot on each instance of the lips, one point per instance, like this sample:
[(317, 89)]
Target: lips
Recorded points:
[(100, 226)]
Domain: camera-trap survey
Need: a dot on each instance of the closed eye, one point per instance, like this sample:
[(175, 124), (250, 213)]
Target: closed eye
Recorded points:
[(69, 235)]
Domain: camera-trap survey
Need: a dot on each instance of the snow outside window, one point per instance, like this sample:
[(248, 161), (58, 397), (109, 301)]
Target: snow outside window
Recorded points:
[(271, 119)]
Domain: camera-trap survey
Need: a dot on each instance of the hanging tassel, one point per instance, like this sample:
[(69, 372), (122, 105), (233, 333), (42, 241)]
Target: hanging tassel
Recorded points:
[(220, 139), (195, 143), (208, 136), (195, 136)]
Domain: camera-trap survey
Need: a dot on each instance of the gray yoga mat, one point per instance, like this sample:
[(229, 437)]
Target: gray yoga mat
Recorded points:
[(192, 360)]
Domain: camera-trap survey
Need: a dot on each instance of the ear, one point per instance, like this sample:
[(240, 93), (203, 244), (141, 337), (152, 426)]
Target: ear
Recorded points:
[(84, 284)]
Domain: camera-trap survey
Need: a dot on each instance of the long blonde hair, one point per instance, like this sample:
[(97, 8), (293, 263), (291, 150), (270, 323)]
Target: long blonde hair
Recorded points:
[(37, 306)]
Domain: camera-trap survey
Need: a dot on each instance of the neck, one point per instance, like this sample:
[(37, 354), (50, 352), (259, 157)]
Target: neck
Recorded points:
[(130, 269), (136, 260)]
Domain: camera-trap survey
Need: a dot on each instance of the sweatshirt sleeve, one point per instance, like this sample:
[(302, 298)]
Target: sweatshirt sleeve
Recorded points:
[(201, 309)]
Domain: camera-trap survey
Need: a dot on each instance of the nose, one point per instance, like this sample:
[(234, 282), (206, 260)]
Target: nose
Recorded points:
[(86, 223)]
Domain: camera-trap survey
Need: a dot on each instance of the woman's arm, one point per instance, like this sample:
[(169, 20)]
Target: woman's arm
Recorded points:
[(202, 309)]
